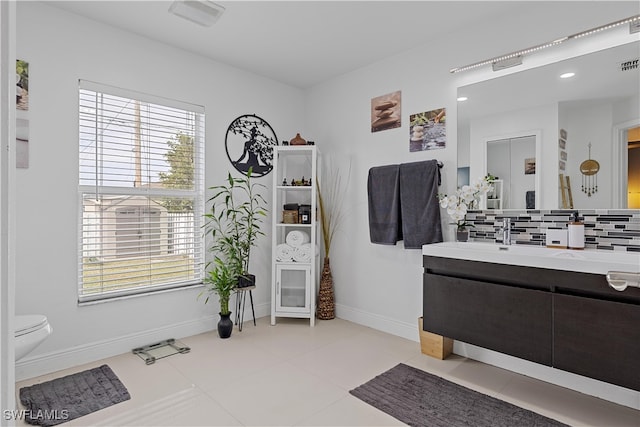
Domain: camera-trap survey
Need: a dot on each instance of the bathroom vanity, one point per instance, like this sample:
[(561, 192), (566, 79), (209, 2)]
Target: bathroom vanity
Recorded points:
[(550, 306)]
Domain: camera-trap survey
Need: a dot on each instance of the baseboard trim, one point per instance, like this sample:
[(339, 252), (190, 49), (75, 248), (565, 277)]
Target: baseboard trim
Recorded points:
[(41, 364), (381, 323)]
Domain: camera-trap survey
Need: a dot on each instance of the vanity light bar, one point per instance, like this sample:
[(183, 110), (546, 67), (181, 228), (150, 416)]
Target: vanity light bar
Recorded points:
[(630, 20)]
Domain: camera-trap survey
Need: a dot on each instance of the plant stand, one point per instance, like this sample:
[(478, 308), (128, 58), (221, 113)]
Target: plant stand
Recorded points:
[(241, 301)]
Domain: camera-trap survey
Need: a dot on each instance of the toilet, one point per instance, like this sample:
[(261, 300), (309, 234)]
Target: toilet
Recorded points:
[(30, 331)]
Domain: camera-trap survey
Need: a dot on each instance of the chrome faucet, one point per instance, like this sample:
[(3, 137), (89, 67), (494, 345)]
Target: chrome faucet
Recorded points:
[(506, 231)]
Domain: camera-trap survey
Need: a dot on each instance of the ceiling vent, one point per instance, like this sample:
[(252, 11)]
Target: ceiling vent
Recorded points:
[(629, 65), (201, 12), (507, 63)]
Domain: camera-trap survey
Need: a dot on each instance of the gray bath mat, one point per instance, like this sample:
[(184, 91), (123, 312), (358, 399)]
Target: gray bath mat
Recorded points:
[(418, 398), (63, 399)]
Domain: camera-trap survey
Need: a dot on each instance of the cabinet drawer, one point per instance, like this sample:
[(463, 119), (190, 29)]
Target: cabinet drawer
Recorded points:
[(598, 339), (506, 319)]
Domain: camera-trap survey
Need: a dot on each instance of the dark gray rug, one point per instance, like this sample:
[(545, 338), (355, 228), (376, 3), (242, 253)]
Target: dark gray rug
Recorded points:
[(63, 399), (418, 398)]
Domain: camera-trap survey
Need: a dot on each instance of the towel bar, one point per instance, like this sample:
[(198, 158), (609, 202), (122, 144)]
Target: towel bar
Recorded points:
[(620, 280)]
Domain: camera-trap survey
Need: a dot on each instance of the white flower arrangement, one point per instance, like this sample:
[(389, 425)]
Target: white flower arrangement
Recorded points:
[(465, 198)]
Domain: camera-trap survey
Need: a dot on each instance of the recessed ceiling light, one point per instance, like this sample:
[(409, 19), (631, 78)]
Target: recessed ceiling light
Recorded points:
[(567, 75), (202, 12), (462, 98)]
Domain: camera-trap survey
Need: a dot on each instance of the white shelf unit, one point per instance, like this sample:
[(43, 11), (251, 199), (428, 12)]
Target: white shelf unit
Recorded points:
[(293, 284), (495, 198)]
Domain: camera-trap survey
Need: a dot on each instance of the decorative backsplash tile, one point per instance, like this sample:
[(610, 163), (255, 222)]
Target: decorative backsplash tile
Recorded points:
[(613, 229)]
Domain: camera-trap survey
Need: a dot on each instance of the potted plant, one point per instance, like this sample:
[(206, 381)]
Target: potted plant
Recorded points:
[(222, 280), (465, 198), (233, 223)]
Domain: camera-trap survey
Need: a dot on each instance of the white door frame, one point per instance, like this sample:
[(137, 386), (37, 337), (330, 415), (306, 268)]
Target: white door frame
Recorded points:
[(537, 133), (7, 205), (620, 158)]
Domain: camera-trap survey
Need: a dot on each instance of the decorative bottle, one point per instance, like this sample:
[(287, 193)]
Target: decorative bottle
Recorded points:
[(576, 232)]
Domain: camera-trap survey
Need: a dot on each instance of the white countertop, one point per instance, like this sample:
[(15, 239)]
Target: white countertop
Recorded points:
[(586, 261)]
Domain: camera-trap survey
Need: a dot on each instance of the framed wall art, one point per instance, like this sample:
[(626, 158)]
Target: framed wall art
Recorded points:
[(386, 112), (427, 131), (530, 166), (22, 114), (249, 143)]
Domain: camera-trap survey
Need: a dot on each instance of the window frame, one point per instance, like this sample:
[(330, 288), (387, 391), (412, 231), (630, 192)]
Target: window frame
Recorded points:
[(148, 193)]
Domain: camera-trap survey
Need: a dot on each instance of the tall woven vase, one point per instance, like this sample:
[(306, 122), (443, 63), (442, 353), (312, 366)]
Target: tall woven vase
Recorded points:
[(326, 302)]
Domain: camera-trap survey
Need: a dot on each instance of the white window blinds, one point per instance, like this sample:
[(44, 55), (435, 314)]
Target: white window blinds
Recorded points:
[(141, 193)]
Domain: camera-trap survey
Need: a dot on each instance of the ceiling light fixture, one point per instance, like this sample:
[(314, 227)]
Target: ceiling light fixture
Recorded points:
[(462, 98), (513, 57), (201, 12), (567, 75)]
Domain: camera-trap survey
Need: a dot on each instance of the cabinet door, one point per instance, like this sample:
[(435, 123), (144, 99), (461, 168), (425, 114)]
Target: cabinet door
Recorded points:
[(598, 339), (506, 319), (293, 286)]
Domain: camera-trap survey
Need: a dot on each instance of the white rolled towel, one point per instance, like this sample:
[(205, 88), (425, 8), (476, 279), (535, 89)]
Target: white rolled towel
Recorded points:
[(302, 253), (296, 238), (284, 253)]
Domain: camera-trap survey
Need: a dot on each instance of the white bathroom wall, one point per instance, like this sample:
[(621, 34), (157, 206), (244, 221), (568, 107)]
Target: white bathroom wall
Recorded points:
[(590, 124), (381, 286), (62, 48)]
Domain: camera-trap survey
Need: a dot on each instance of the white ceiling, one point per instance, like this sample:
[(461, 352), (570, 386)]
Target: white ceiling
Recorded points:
[(300, 43)]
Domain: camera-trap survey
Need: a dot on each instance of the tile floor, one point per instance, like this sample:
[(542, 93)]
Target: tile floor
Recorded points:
[(294, 375)]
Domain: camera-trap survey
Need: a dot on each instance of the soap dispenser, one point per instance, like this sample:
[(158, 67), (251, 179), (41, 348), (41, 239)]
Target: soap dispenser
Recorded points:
[(576, 232)]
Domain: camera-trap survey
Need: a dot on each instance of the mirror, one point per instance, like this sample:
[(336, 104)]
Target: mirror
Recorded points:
[(599, 105)]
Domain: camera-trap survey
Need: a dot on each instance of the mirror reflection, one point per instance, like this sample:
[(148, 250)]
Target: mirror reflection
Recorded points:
[(512, 163), (592, 112)]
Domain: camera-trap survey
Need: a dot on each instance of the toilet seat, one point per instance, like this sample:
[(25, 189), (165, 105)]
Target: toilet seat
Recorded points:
[(29, 323)]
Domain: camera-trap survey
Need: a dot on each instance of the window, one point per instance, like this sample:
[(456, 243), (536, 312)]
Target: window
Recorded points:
[(141, 191)]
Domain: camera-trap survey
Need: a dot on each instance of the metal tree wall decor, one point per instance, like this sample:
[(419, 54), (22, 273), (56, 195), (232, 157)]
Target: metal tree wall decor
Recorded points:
[(249, 143), (589, 169)]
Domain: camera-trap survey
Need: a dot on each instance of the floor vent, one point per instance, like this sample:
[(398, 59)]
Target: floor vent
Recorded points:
[(632, 64)]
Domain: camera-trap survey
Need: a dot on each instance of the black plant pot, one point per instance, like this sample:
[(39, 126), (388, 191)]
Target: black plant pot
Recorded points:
[(462, 236), (246, 280), (225, 325)]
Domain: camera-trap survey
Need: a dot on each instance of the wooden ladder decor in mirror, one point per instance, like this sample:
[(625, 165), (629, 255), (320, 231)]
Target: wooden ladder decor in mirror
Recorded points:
[(570, 196), (565, 191), (589, 169)]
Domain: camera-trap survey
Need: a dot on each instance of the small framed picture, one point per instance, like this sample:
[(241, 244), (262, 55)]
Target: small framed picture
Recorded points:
[(563, 134), (562, 165), (562, 143), (563, 155), (530, 166)]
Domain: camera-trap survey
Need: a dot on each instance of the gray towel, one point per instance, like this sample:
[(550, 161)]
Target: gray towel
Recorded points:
[(420, 208), (383, 188)]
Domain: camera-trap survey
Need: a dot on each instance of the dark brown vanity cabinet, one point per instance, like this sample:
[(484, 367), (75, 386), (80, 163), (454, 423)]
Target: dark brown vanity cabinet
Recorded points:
[(598, 339), (507, 319), (568, 320)]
